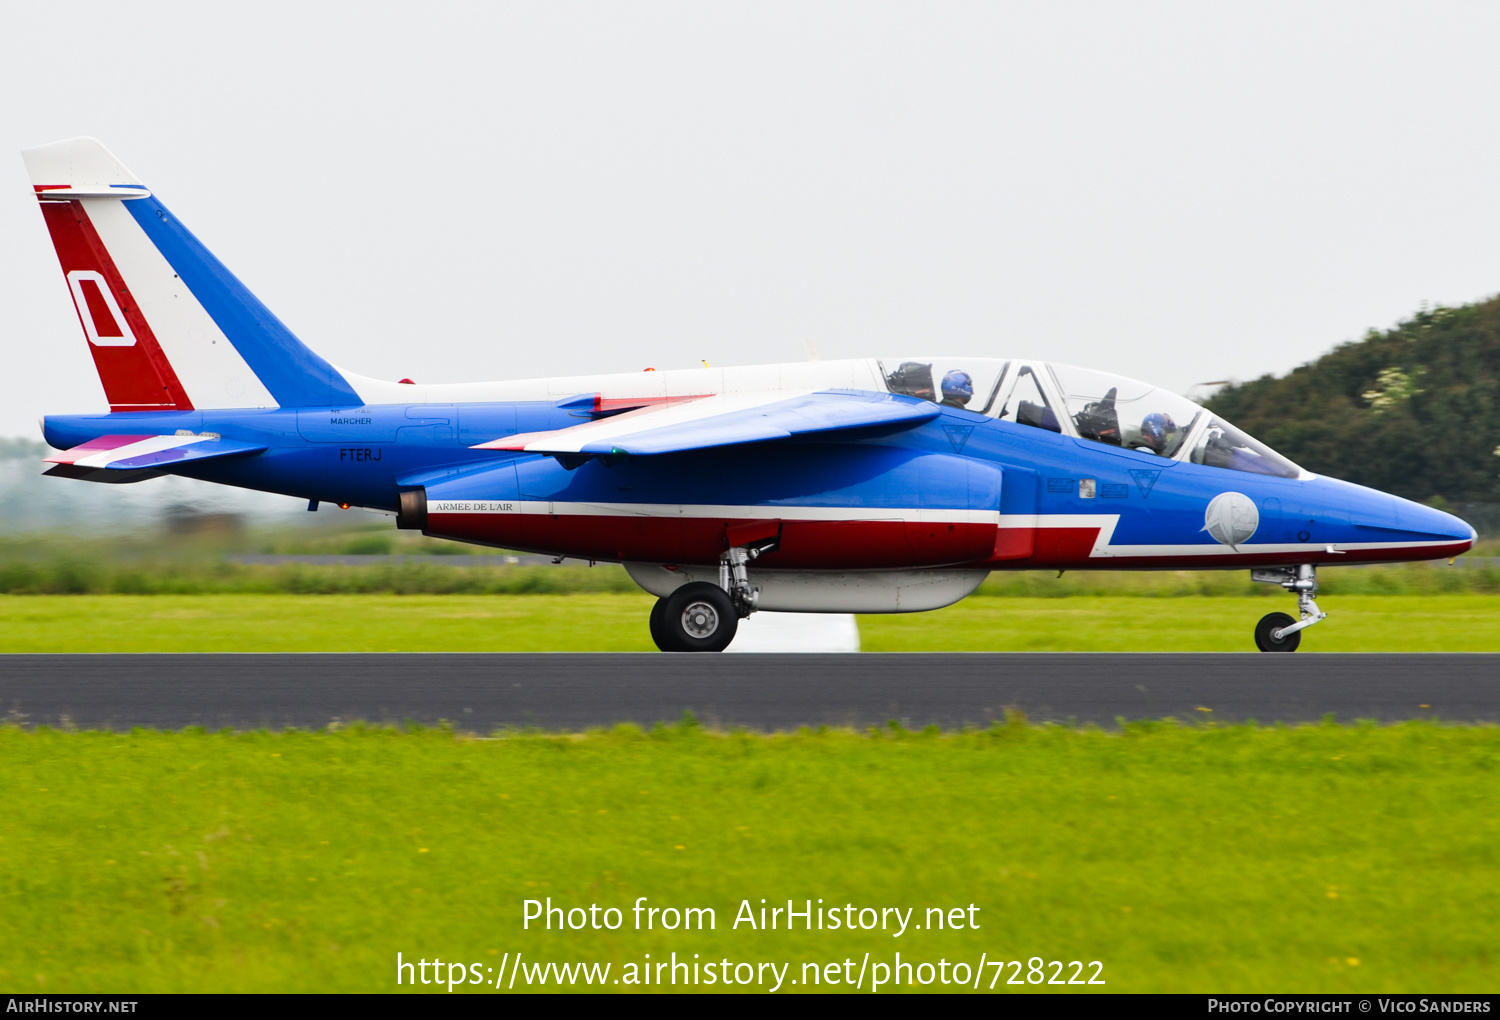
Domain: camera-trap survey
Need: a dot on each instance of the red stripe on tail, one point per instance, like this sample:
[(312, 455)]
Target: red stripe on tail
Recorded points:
[(136, 376)]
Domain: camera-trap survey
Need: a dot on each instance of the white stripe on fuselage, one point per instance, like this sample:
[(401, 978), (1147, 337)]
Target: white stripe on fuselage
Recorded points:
[(692, 510), (1106, 523)]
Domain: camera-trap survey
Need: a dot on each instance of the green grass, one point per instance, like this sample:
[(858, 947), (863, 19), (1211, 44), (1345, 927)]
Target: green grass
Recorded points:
[(190, 559), (1396, 579), (1356, 623), (324, 623), (1318, 858), (617, 622), (441, 575)]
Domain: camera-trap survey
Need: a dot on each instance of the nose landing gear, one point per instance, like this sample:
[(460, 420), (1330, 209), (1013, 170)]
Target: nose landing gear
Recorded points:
[(1278, 632)]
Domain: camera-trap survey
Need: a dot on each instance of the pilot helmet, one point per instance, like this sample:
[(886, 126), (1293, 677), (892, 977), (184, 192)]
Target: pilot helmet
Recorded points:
[(1156, 428), (958, 387)]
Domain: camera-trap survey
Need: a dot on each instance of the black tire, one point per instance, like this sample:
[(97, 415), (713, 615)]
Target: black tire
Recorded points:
[(699, 617), (659, 628), (1270, 622)]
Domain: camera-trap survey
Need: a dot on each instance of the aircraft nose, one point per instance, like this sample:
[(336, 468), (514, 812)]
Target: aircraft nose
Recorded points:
[(1392, 521), (1426, 520)]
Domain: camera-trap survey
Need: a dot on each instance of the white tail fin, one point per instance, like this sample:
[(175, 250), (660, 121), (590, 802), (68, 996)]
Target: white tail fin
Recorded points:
[(170, 328)]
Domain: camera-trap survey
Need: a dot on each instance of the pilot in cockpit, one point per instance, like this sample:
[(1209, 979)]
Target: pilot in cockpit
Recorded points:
[(1157, 430), (958, 389)]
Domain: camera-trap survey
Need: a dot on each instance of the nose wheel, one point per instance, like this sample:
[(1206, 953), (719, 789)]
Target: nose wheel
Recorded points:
[(1278, 632), (1271, 625)]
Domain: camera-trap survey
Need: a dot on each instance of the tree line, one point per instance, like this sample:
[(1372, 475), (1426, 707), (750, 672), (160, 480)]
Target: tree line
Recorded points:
[(1411, 410)]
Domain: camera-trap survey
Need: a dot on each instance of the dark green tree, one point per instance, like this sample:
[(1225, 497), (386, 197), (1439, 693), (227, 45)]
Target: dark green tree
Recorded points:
[(1412, 410)]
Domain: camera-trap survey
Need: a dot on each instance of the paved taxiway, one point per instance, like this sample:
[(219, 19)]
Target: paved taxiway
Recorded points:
[(482, 692)]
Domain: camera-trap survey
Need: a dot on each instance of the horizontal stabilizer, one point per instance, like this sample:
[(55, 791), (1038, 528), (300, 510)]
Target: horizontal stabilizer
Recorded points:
[(724, 420), (132, 458)]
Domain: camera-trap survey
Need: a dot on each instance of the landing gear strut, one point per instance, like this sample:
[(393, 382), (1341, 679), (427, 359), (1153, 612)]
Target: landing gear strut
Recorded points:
[(703, 617), (735, 579), (1278, 632)]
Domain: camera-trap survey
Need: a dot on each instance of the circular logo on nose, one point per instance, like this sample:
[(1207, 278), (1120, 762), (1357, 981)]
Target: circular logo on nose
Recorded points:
[(1231, 518)]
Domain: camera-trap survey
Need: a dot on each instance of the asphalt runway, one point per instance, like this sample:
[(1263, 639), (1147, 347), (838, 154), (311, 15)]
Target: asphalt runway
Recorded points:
[(484, 692)]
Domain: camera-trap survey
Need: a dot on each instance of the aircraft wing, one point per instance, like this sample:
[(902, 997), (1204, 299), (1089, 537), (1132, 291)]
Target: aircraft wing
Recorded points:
[(131, 458), (724, 420)]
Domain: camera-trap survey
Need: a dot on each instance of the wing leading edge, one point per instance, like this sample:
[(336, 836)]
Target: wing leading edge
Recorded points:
[(724, 420)]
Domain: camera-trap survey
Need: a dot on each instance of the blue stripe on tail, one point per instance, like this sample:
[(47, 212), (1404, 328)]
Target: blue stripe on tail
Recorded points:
[(294, 375)]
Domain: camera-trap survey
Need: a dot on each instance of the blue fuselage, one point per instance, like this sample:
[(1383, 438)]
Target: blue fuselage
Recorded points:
[(1062, 502)]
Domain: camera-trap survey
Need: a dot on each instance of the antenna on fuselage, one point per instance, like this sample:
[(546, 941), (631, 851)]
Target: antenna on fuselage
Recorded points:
[(812, 350)]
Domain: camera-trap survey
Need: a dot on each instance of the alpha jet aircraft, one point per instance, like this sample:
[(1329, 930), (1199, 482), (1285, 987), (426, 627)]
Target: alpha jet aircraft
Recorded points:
[(864, 486)]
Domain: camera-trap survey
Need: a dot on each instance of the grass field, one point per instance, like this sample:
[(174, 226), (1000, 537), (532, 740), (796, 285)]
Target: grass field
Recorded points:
[(1356, 623), (324, 623), (617, 622), (181, 560), (1318, 858)]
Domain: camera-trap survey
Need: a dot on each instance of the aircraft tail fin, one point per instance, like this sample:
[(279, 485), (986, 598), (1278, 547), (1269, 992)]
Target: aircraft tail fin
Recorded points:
[(169, 327)]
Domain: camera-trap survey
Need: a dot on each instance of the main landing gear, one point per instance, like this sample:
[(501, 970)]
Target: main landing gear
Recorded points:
[(703, 617), (1278, 632)]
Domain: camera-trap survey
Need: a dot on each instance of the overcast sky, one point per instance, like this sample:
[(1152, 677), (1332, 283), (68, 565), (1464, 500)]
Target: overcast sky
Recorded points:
[(1178, 191)]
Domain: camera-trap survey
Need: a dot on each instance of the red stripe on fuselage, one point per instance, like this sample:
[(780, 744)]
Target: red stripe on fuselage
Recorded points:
[(1246, 558), (1070, 548), (627, 408), (622, 404), (862, 545), (806, 545)]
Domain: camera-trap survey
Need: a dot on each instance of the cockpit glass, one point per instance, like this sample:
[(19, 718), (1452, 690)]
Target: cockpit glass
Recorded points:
[(1027, 403), (1223, 445), (1125, 412), (952, 382)]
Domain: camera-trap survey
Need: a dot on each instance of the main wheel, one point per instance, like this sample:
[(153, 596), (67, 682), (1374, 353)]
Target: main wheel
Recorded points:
[(698, 617), (1270, 622), (659, 627)]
